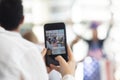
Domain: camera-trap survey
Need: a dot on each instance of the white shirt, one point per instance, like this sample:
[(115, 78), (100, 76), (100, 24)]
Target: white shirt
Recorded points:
[(20, 59), (55, 75)]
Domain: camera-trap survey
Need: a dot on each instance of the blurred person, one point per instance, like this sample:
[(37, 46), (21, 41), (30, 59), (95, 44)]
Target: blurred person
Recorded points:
[(19, 58), (95, 53), (30, 36), (49, 43), (94, 44), (49, 46)]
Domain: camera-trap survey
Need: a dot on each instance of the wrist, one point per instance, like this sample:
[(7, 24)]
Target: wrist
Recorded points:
[(68, 77)]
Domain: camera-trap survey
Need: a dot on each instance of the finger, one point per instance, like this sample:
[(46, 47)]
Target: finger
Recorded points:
[(49, 69), (44, 52), (55, 67), (70, 55), (60, 60)]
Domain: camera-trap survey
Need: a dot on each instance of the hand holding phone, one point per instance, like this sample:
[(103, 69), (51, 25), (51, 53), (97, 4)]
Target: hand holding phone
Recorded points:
[(65, 68), (55, 42)]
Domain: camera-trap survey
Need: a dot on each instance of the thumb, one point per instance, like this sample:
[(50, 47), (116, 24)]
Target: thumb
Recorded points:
[(60, 60), (44, 52)]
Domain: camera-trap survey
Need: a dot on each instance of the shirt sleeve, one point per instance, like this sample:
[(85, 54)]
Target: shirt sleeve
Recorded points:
[(68, 77)]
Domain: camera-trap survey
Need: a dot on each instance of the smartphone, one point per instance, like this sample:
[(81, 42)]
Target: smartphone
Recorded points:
[(55, 42)]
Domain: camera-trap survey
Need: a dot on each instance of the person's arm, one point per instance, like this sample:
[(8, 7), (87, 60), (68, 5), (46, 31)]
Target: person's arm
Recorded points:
[(76, 39), (110, 26)]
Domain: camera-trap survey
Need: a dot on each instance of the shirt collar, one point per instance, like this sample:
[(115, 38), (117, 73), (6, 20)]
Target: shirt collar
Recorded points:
[(2, 30)]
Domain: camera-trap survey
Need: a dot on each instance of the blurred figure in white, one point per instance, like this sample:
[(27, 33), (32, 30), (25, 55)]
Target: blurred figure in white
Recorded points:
[(19, 58)]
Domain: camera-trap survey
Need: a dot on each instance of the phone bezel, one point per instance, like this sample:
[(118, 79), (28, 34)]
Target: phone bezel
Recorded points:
[(55, 26)]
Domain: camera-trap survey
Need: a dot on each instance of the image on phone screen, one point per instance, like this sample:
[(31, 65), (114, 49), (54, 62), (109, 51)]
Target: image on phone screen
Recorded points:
[(55, 42)]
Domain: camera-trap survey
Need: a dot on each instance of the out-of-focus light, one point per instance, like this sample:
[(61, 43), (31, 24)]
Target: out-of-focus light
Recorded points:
[(88, 60), (40, 12), (93, 2), (27, 4), (102, 31), (80, 50), (82, 31), (78, 29), (116, 3), (117, 16), (39, 32), (28, 11), (117, 74), (90, 14), (70, 34), (28, 18), (79, 72), (76, 14), (115, 33), (90, 10), (108, 48)]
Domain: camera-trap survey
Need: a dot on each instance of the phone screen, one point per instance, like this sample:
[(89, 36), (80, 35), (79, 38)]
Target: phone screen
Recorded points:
[(55, 42)]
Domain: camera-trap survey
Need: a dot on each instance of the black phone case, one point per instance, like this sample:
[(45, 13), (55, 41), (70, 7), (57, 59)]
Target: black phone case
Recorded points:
[(50, 59)]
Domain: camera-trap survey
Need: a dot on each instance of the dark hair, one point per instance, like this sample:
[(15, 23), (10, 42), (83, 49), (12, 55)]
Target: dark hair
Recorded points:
[(11, 13)]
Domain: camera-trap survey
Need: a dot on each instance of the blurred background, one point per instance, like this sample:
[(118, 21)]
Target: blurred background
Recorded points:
[(84, 19)]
